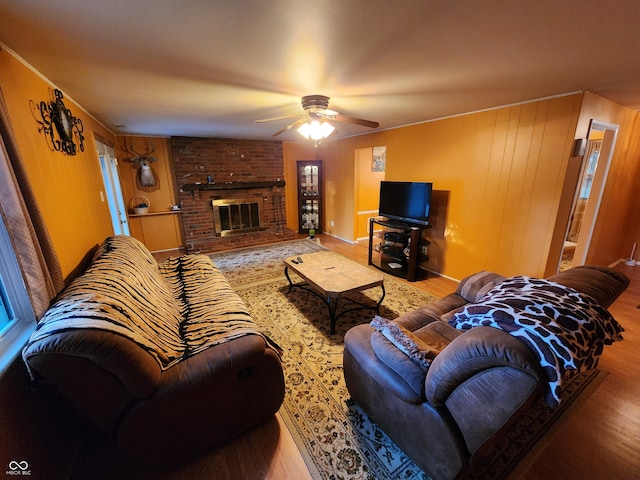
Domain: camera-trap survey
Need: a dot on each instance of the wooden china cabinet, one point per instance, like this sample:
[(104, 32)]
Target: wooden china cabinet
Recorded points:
[(310, 201)]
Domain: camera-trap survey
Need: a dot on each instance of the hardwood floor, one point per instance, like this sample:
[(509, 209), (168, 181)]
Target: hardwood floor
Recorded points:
[(598, 437)]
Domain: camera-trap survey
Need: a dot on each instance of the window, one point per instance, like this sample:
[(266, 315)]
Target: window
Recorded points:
[(589, 172), (17, 320), (5, 313)]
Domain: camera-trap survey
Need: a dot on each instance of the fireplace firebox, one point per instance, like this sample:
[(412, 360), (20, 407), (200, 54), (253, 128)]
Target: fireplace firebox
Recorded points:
[(237, 215)]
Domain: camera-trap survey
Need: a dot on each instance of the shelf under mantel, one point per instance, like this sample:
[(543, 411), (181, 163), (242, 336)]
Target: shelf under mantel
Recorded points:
[(190, 187)]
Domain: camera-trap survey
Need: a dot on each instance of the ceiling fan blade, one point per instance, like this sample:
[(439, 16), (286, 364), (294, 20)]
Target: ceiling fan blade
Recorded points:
[(356, 121), (272, 119), (295, 124)]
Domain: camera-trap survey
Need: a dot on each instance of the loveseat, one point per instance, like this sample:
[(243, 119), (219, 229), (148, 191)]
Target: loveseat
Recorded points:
[(445, 381), (163, 357)]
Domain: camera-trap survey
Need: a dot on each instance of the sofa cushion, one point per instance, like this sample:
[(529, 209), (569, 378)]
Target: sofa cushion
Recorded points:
[(419, 352), (406, 369), (474, 287), (470, 290), (437, 334)]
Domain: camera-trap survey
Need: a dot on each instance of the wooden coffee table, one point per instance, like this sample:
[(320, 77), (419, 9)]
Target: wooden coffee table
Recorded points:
[(331, 276)]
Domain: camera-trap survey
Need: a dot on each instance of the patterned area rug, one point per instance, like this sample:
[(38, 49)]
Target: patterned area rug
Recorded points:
[(336, 438), (255, 265)]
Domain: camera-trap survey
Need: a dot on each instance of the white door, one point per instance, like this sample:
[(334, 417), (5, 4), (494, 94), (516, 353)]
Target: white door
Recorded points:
[(117, 208)]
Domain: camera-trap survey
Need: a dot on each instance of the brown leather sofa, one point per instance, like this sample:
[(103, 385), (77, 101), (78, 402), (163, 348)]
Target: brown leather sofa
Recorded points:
[(163, 358), (445, 395)]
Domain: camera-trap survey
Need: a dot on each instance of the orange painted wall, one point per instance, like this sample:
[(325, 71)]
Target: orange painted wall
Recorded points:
[(497, 175), (67, 188)]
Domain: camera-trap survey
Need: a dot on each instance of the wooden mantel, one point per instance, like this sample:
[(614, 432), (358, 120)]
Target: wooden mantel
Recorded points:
[(190, 187)]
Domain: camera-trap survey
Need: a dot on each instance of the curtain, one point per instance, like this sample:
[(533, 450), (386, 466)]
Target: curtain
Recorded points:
[(31, 242)]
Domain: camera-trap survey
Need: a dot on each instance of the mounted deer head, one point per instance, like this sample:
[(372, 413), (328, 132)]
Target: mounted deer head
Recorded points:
[(146, 177)]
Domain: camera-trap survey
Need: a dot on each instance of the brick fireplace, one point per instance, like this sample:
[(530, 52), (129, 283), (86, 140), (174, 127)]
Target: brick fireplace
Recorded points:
[(245, 178)]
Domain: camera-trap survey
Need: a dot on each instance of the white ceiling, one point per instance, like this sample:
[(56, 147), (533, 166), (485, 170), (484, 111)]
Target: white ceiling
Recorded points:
[(210, 68)]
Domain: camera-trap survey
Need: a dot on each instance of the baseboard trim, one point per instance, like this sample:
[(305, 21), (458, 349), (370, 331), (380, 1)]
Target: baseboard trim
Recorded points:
[(617, 262), (352, 242)]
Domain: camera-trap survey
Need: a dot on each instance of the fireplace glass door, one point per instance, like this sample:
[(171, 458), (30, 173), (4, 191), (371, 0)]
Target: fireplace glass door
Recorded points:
[(310, 195), (236, 215)]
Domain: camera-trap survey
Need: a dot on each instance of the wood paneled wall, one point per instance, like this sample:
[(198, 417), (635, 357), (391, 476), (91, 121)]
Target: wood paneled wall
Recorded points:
[(67, 188), (618, 222), (503, 183), (498, 178), (499, 172), (163, 229)]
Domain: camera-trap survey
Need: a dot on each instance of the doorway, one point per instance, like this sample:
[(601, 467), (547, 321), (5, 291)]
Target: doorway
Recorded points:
[(593, 176), (109, 168), (367, 178)]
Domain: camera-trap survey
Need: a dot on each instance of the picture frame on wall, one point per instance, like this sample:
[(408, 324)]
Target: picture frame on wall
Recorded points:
[(379, 159)]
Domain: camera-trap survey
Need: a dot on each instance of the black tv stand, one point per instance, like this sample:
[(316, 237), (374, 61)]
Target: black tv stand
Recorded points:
[(398, 248)]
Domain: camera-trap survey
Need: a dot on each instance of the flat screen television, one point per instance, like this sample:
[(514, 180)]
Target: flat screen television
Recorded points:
[(405, 201)]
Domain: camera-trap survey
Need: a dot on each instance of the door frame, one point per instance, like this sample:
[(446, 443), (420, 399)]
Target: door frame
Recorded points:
[(113, 188), (597, 189)]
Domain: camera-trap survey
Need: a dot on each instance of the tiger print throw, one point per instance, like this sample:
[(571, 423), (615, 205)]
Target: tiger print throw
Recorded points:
[(173, 310), (211, 311)]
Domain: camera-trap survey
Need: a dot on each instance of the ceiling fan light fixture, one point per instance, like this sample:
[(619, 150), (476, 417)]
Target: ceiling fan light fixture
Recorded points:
[(316, 130)]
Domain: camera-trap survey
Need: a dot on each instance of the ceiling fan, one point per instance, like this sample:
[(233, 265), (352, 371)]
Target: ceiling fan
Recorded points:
[(316, 109)]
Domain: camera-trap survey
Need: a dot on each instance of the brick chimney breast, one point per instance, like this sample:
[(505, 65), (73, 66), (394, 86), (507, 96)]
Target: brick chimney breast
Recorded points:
[(208, 169)]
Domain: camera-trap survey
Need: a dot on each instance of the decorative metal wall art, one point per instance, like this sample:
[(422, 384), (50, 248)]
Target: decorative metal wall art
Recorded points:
[(63, 132)]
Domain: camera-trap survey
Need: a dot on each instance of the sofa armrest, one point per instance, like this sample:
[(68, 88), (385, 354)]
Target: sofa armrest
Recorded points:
[(108, 351), (603, 284), (233, 358), (484, 378), (478, 349), (98, 372)]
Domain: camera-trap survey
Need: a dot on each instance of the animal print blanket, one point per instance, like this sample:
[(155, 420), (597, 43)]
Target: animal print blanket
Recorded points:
[(566, 329), (173, 310)]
